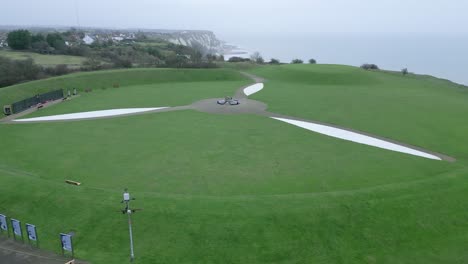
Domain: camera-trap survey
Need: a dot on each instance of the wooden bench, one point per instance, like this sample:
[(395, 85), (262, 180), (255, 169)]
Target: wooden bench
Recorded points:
[(73, 182)]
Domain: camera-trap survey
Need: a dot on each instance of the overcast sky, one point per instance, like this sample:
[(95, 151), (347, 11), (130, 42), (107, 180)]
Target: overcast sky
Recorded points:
[(254, 16)]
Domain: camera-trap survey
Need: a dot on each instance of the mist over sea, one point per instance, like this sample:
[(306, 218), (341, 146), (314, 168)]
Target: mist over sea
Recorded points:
[(443, 56)]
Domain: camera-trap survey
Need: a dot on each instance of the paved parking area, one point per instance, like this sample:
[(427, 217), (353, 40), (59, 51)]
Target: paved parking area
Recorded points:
[(12, 252)]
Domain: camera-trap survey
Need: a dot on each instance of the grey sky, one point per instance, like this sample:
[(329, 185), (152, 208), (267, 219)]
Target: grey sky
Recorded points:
[(268, 16)]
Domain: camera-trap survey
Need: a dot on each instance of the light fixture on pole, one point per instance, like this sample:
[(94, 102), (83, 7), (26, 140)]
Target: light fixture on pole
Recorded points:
[(128, 211)]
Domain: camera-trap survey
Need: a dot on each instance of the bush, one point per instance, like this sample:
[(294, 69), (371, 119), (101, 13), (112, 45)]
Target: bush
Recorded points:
[(56, 41), (274, 61), (19, 39), (41, 47), (257, 58), (154, 52), (92, 63), (121, 62), (368, 66), (260, 60), (176, 61), (404, 71), (61, 69), (37, 38), (312, 61), (17, 71), (80, 50), (297, 61), (12, 72), (238, 59)]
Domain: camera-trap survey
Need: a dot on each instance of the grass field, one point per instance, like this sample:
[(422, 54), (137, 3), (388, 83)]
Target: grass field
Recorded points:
[(150, 87), (409, 109), (245, 188), (45, 60)]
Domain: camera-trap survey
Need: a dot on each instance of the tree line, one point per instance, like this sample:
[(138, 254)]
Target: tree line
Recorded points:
[(99, 55), (110, 54), (257, 58), (107, 55), (18, 71), (51, 43)]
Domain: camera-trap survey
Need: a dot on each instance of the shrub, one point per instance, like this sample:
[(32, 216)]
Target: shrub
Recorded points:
[(257, 58), (41, 47), (15, 71), (238, 59), (19, 39), (81, 50), (121, 62), (274, 61), (404, 71), (368, 66), (61, 69), (297, 61), (91, 63), (312, 61), (176, 61)]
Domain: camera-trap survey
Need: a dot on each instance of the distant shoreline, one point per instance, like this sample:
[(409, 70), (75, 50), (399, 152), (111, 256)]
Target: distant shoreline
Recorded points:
[(442, 56)]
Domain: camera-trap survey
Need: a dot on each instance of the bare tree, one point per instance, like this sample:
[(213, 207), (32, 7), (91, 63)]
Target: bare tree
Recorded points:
[(257, 58)]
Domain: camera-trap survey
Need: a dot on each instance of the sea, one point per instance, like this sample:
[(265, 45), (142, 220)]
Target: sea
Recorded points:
[(441, 55)]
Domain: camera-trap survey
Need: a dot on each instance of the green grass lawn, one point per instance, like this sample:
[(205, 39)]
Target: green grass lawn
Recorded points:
[(423, 111), (45, 60), (244, 188), (150, 95), (137, 87)]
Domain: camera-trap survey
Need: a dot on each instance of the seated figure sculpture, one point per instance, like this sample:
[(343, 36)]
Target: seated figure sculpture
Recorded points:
[(228, 100)]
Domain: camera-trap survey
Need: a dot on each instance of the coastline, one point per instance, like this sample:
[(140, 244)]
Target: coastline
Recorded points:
[(441, 56)]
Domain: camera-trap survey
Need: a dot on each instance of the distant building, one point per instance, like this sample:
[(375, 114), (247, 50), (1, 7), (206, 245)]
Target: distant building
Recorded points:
[(88, 40)]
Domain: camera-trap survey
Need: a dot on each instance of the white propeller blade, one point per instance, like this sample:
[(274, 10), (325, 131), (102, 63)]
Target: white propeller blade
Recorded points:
[(253, 89), (91, 114), (356, 137)]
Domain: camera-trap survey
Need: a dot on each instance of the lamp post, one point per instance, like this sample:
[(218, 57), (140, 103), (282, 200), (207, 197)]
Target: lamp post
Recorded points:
[(128, 211)]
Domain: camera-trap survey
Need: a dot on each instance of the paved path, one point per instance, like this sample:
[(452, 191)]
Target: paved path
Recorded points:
[(34, 109), (13, 252)]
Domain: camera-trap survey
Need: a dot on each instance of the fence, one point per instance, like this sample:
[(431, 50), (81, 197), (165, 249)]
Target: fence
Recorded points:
[(32, 101)]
